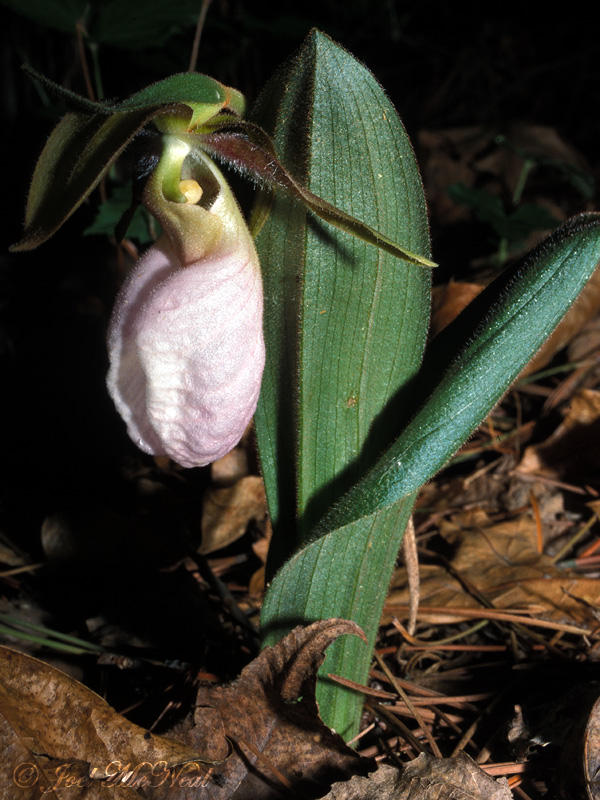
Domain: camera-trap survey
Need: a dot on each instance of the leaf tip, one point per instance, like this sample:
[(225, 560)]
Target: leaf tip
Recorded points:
[(425, 262)]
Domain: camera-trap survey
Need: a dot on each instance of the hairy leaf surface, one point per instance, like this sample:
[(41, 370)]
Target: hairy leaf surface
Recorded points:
[(345, 325)]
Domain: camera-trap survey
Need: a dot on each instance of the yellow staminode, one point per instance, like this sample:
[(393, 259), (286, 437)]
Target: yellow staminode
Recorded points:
[(191, 190)]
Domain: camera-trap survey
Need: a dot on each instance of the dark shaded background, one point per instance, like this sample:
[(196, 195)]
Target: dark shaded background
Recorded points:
[(66, 458)]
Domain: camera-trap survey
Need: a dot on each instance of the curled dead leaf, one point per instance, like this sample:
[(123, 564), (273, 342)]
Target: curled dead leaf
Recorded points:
[(251, 739), (270, 715)]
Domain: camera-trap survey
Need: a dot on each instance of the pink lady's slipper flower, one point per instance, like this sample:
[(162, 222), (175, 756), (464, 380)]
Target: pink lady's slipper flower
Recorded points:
[(185, 340)]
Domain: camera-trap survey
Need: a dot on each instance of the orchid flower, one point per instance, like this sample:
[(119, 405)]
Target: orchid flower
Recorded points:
[(185, 340)]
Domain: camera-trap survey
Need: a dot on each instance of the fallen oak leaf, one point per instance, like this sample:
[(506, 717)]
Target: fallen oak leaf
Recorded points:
[(257, 736), (60, 739), (270, 716)]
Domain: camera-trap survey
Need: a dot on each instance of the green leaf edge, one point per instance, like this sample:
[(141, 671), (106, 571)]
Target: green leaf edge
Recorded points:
[(395, 475), (182, 88)]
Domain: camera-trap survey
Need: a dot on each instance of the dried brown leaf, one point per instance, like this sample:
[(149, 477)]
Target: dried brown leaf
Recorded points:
[(54, 732), (227, 512), (263, 731), (256, 585), (583, 410), (501, 561), (538, 141), (270, 715), (261, 546), (471, 156), (448, 157), (425, 778)]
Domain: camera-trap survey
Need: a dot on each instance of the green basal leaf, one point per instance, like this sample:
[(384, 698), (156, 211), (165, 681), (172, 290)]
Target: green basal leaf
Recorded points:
[(84, 144), (473, 362), (345, 324), (346, 572)]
